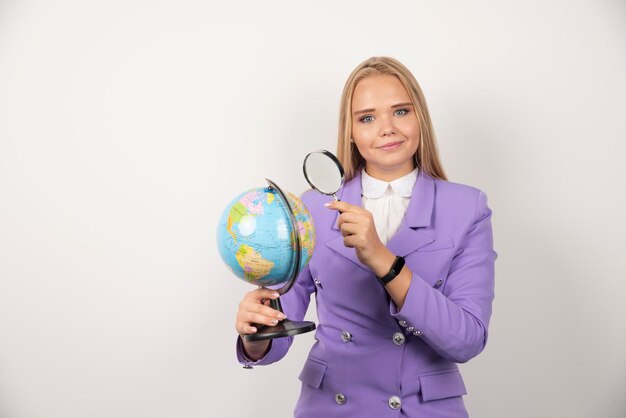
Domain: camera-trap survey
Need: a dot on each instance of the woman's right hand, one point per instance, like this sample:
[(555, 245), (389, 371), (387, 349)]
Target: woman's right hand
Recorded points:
[(254, 309)]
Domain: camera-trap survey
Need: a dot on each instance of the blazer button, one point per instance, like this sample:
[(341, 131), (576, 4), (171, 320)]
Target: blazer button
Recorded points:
[(346, 336), (417, 333), (410, 329), (398, 338), (340, 398), (395, 402), (403, 323), (318, 283), (247, 366), (438, 284)]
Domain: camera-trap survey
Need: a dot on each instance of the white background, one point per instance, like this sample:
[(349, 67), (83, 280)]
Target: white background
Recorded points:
[(126, 127)]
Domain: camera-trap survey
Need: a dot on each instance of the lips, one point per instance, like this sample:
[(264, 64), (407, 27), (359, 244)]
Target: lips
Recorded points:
[(390, 145)]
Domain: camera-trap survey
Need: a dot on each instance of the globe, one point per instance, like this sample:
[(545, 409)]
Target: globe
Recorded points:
[(256, 239)]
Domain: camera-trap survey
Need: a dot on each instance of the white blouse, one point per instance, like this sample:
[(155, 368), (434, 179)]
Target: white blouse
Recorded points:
[(387, 201)]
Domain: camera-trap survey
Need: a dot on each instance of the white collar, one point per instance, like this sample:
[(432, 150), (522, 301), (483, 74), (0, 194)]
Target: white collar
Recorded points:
[(373, 187)]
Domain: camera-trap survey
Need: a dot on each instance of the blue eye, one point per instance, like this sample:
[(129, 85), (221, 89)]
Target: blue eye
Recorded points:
[(401, 112), (366, 118)]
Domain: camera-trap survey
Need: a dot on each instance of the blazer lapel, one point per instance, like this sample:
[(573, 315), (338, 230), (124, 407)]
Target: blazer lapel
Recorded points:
[(409, 236)]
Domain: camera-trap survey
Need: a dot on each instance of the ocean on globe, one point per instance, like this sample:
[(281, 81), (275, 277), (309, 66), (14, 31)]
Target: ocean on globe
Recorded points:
[(256, 240)]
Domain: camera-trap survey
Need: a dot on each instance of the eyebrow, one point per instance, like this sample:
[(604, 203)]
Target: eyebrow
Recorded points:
[(373, 110)]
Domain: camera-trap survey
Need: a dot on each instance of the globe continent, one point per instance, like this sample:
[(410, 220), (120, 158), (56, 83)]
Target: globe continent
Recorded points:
[(256, 240)]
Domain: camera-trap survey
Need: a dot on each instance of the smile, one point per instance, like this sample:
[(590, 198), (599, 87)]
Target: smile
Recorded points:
[(390, 146)]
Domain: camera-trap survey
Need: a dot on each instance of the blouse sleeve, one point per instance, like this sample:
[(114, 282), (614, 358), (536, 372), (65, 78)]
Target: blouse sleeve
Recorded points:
[(454, 322)]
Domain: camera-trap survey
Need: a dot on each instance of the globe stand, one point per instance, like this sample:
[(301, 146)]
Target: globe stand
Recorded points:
[(285, 327)]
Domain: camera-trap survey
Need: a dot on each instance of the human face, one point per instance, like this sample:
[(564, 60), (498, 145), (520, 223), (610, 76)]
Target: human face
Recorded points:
[(385, 128)]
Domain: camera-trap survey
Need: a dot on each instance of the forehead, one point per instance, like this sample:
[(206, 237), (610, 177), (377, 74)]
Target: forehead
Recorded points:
[(378, 91)]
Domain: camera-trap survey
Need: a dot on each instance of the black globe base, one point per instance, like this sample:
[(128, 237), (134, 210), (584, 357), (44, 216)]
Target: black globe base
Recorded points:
[(283, 329)]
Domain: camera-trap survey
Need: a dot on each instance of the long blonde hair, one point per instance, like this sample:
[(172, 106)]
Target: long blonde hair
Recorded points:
[(427, 155)]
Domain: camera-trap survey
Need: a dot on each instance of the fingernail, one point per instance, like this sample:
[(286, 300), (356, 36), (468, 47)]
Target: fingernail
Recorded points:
[(274, 321), (275, 294), (282, 316), (252, 329), (327, 204)]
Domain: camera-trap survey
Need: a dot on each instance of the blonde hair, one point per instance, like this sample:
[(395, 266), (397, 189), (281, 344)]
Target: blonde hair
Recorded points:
[(427, 155)]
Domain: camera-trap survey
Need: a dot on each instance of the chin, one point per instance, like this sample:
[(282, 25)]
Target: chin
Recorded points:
[(395, 164), (396, 160)]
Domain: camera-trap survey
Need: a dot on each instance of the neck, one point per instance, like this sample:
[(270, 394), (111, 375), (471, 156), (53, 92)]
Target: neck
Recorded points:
[(388, 174)]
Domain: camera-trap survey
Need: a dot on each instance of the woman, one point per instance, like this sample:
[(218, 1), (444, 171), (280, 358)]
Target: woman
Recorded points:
[(403, 267)]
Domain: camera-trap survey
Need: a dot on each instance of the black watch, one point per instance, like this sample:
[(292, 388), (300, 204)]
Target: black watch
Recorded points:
[(396, 268)]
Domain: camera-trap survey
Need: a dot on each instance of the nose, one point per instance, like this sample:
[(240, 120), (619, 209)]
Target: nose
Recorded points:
[(386, 127)]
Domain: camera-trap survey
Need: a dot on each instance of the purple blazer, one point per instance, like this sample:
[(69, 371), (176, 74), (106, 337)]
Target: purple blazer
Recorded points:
[(369, 359)]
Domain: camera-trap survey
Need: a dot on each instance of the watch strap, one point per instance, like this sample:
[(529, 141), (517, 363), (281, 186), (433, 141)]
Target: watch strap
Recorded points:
[(396, 268)]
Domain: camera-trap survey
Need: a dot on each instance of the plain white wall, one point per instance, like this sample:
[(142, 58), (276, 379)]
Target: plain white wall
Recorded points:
[(126, 127)]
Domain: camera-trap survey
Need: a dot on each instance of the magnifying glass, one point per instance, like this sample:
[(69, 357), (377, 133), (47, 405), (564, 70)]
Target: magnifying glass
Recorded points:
[(323, 172)]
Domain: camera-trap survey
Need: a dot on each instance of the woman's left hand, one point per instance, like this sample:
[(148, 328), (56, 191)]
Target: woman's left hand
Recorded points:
[(359, 232)]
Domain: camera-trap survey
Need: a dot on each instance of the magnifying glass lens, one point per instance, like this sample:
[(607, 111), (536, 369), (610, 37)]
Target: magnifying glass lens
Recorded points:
[(323, 171)]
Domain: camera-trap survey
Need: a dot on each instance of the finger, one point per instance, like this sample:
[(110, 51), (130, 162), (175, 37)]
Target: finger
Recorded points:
[(350, 229), (260, 294), (350, 241), (243, 328), (351, 217), (355, 241), (265, 310), (264, 316), (257, 318), (342, 206), (354, 217)]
